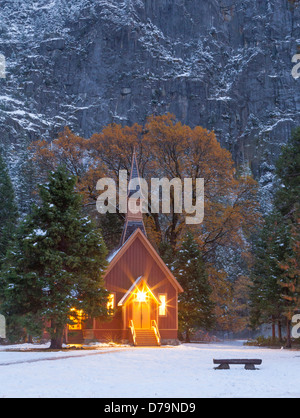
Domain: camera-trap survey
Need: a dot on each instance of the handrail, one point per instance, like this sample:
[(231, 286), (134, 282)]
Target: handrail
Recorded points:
[(133, 333), (156, 331)]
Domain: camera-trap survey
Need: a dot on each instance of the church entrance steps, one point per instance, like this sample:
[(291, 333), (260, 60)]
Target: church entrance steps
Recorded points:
[(146, 338)]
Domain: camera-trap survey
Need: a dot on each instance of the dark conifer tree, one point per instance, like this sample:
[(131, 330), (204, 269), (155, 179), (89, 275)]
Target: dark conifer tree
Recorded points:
[(276, 285), (111, 227), (288, 203), (196, 310), (265, 297), (288, 170), (56, 263), (8, 210)]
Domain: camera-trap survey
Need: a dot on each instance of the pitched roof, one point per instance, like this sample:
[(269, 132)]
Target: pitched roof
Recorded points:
[(138, 234)]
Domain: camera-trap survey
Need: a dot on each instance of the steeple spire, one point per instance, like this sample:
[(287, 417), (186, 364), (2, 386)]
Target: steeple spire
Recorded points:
[(134, 217)]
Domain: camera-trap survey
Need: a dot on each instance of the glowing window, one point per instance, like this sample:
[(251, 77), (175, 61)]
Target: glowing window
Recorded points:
[(141, 296), (111, 304), (163, 305), (76, 317)]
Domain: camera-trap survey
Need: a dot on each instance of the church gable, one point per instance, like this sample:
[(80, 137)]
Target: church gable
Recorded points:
[(138, 258)]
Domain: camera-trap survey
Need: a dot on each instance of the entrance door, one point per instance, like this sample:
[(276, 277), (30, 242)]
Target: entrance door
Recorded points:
[(141, 315)]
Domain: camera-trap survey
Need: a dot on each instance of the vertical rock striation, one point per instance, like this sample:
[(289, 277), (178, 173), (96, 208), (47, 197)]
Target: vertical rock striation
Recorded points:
[(222, 64)]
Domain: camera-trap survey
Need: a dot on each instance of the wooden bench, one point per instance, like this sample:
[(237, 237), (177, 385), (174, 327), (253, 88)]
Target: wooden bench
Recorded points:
[(249, 363)]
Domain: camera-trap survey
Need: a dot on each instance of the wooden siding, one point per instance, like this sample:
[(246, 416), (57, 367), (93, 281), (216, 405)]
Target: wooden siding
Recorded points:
[(136, 262)]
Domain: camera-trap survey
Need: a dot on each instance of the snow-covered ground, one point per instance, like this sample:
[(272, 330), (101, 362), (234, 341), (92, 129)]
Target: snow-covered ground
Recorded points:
[(186, 371)]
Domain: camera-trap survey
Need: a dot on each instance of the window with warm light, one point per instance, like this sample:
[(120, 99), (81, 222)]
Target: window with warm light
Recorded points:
[(163, 305), (111, 304), (76, 317)]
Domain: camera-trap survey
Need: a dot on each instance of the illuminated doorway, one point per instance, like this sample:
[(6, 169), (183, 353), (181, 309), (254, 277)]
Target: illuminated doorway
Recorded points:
[(141, 314)]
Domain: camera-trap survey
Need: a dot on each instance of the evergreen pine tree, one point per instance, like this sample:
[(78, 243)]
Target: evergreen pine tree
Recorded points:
[(111, 227), (166, 252), (265, 297), (290, 278), (276, 281), (288, 203), (8, 210), (194, 305), (56, 263), (288, 170)]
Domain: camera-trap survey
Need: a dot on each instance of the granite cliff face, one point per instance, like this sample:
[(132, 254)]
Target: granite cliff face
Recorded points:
[(222, 64)]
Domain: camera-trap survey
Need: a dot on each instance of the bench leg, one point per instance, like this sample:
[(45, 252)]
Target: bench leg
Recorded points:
[(250, 367), (223, 366)]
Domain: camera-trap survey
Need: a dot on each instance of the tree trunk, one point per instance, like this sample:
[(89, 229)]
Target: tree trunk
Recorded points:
[(187, 336), (56, 343), (279, 330), (56, 338), (180, 336), (273, 330), (288, 334)]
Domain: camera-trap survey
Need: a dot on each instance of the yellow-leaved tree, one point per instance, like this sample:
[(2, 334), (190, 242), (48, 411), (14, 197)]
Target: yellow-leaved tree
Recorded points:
[(167, 148)]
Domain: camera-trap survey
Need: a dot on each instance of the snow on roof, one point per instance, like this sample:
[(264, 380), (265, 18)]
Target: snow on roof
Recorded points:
[(135, 286), (115, 252), (130, 290)]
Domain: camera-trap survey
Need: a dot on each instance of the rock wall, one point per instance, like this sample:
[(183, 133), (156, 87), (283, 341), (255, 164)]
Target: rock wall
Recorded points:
[(222, 64)]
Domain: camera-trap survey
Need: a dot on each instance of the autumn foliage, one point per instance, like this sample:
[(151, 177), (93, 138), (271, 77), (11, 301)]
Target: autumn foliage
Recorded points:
[(167, 148)]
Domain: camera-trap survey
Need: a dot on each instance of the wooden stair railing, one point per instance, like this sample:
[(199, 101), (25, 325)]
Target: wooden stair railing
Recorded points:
[(145, 337), (156, 331), (133, 333)]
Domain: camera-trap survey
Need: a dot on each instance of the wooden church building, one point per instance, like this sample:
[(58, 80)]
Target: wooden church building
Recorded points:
[(143, 291)]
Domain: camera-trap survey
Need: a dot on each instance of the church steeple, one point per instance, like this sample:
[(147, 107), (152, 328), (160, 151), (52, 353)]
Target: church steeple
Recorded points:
[(134, 217)]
